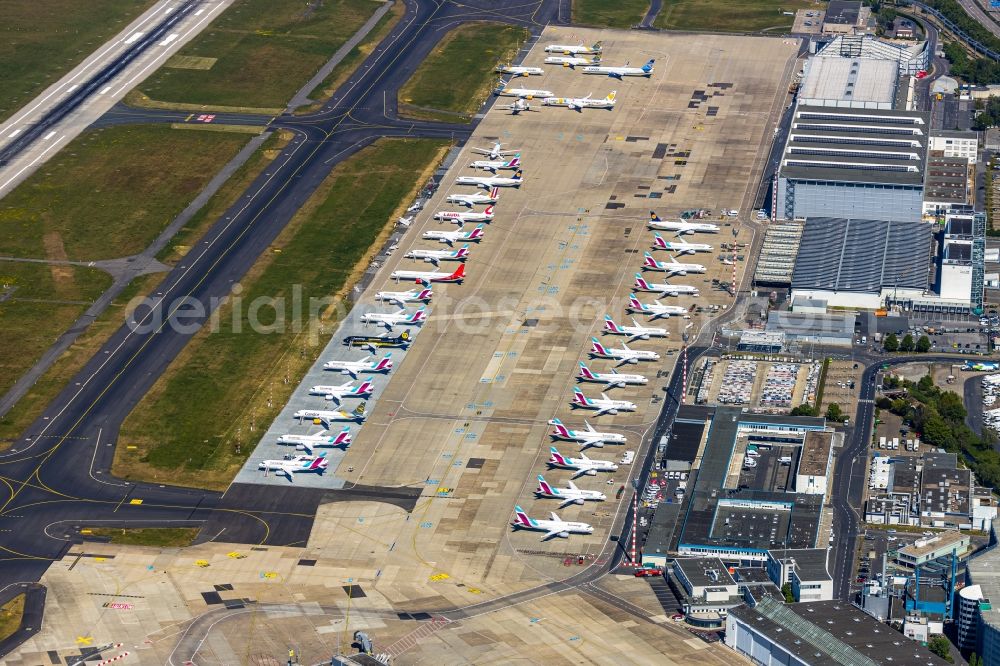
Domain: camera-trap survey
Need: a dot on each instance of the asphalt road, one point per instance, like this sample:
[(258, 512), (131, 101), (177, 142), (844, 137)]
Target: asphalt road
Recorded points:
[(56, 477)]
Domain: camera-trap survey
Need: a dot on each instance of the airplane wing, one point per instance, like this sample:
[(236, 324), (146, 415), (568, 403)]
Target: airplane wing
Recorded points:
[(551, 533), (620, 363), (606, 410), (578, 473), (307, 447), (572, 486), (660, 315), (614, 383), (567, 502), (433, 260), (636, 336)]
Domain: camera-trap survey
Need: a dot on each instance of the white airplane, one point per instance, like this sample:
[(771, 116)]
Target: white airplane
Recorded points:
[(623, 354), (354, 368), (663, 288), (580, 103), (458, 236), (496, 152), (679, 246), (470, 200), (461, 217), (515, 107), (519, 70), (568, 495), (657, 310), (572, 61), (494, 165), (401, 317), (579, 49), (602, 405), (618, 72), (681, 226), (342, 392), (671, 267), (309, 442), (557, 527), (401, 298), (584, 438), (437, 256), (613, 379), (489, 182), (294, 465), (633, 332), (582, 465), (504, 90), (427, 277), (331, 415)]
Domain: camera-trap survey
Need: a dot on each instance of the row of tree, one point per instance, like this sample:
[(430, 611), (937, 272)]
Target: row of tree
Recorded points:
[(978, 71), (907, 344)]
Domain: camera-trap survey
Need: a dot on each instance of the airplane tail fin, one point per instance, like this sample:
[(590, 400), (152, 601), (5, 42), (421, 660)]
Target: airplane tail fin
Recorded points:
[(611, 96), (384, 364), (544, 487), (648, 67), (521, 518), (658, 241), (514, 162), (597, 46), (556, 457), (597, 347), (634, 303), (458, 274), (585, 371), (477, 232), (344, 437), (580, 398), (461, 252), (517, 175), (561, 430), (488, 210), (359, 411), (364, 389), (640, 282), (653, 217), (647, 260), (405, 335), (495, 193), (425, 294), (610, 325)]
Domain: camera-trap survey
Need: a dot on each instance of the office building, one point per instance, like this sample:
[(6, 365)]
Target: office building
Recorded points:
[(955, 143), (946, 183), (805, 569)]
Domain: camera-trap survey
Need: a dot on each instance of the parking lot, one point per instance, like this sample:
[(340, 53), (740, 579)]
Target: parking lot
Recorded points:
[(766, 385), (842, 386)]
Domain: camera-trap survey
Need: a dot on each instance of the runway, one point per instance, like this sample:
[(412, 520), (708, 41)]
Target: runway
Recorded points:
[(56, 476)]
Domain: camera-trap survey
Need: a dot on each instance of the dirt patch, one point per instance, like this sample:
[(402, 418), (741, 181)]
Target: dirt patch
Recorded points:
[(62, 275)]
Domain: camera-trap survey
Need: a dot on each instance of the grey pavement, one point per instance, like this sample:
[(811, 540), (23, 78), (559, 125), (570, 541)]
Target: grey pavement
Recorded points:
[(124, 271), (301, 98)]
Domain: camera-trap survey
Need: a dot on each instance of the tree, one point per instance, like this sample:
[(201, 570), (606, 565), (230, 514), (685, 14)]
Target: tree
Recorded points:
[(974, 660), (926, 384), (834, 413), (805, 409), (951, 407), (883, 403), (786, 590), (941, 646), (899, 407), (907, 343), (891, 343), (923, 344)]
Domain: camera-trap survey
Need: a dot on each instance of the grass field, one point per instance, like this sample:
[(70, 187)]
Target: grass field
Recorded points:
[(264, 50), (110, 192), (458, 75), (605, 14), (193, 427), (41, 41), (729, 15), (10, 616), (37, 303), (354, 58), (160, 537), (45, 389)]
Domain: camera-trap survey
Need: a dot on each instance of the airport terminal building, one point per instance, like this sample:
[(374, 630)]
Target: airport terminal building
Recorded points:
[(853, 163)]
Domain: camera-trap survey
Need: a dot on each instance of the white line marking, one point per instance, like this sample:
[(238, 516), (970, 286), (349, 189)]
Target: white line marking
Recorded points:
[(14, 133), (169, 39), (72, 88), (134, 38), (33, 162), (104, 90), (198, 13), (49, 135)]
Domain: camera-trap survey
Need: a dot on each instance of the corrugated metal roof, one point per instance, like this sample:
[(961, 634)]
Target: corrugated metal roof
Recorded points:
[(849, 80)]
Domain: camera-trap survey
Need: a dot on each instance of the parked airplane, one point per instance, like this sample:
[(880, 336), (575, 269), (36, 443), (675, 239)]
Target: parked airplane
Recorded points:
[(437, 256), (568, 495), (680, 246), (354, 368), (519, 70), (343, 391), (496, 152), (579, 49), (295, 464), (309, 442), (618, 72), (580, 103), (572, 61), (623, 354), (459, 236), (681, 226), (584, 438), (657, 310), (431, 276), (401, 298), (461, 217), (671, 267), (582, 465), (489, 182), (613, 379), (373, 342), (402, 317), (515, 107), (503, 89), (556, 527), (602, 405), (470, 200), (494, 165), (331, 415), (663, 288), (633, 332)]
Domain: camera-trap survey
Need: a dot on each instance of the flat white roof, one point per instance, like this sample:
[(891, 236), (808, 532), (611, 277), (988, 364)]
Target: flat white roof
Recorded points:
[(849, 80)]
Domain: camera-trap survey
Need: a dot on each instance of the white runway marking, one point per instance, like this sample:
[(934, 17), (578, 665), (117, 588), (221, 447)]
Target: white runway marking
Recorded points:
[(134, 38), (169, 39), (49, 135), (72, 88), (104, 90), (14, 133)]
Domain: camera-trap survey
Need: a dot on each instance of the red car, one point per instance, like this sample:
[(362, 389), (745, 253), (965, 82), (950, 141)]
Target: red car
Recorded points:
[(921, 74), (640, 573)]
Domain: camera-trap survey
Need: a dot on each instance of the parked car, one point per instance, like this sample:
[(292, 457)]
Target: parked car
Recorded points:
[(648, 571)]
